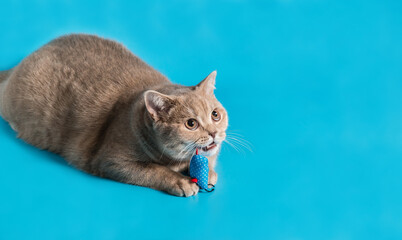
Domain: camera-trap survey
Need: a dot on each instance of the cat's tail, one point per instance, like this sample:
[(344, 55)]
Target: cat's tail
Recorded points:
[(3, 81)]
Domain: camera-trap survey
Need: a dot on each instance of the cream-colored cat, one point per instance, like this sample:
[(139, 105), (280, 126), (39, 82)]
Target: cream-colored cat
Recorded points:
[(110, 114)]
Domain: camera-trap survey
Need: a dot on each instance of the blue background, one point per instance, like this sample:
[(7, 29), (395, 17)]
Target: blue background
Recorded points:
[(314, 86)]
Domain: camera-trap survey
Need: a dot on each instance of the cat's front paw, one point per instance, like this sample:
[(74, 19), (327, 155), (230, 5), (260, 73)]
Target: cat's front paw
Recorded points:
[(184, 187), (212, 177)]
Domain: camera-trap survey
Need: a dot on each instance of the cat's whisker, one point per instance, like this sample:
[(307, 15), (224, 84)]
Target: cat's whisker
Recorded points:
[(240, 146), (185, 147), (238, 139), (232, 132), (232, 145), (186, 150), (191, 150), (236, 135), (163, 151), (178, 156), (242, 143)]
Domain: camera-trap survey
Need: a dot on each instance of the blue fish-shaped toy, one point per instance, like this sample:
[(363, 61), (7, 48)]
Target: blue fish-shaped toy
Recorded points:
[(199, 172)]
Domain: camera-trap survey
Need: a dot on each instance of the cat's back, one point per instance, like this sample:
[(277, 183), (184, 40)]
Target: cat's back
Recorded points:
[(102, 60), (95, 61), (71, 84)]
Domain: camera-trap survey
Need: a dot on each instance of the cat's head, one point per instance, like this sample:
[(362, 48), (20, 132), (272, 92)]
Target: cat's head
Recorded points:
[(188, 118)]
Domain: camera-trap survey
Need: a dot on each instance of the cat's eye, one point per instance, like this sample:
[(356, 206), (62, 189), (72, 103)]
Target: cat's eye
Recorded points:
[(215, 115), (191, 124)]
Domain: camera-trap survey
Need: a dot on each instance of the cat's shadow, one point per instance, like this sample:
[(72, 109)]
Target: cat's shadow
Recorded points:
[(11, 136)]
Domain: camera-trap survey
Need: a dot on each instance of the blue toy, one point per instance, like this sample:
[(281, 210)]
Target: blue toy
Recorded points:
[(199, 172)]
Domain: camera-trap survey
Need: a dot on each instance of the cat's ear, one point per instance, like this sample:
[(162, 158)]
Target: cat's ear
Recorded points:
[(157, 104), (207, 85)]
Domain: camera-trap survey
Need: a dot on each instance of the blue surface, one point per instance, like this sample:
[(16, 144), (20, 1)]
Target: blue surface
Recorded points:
[(315, 86)]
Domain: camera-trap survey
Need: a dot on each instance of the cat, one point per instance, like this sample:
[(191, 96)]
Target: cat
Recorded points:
[(109, 114)]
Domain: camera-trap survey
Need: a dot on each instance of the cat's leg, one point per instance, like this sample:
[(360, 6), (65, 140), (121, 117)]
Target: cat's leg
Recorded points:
[(181, 167), (212, 175), (148, 175)]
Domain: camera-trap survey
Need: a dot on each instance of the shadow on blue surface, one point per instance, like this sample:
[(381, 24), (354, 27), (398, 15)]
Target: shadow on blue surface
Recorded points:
[(10, 136)]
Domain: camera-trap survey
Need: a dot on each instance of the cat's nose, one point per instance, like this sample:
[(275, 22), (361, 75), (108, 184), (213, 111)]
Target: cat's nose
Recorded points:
[(212, 134)]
